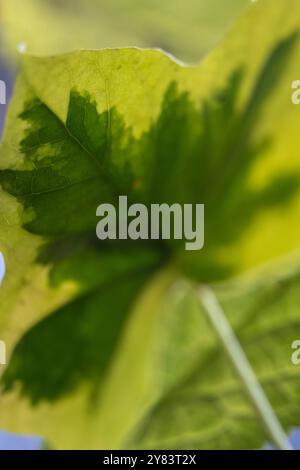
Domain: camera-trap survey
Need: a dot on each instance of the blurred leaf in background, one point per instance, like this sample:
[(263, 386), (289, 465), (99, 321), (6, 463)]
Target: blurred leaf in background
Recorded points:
[(188, 29), (190, 398)]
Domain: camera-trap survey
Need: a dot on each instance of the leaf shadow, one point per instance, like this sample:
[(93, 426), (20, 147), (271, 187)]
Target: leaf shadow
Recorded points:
[(193, 153)]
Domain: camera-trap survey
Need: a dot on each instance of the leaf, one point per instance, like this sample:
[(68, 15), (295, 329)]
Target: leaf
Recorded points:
[(89, 126), (192, 399)]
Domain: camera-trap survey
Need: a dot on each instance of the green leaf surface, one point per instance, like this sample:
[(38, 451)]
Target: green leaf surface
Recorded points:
[(80, 316), (193, 399)]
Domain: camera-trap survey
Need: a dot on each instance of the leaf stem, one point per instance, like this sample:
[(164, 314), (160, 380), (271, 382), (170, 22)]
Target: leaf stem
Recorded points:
[(242, 367)]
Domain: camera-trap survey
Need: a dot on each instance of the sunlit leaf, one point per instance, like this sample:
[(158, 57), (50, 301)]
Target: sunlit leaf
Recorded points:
[(87, 127)]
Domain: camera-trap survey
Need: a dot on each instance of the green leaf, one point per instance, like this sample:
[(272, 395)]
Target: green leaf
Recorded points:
[(86, 127), (192, 399)]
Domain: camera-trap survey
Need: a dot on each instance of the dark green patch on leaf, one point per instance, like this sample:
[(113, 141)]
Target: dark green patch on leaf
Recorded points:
[(191, 154)]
